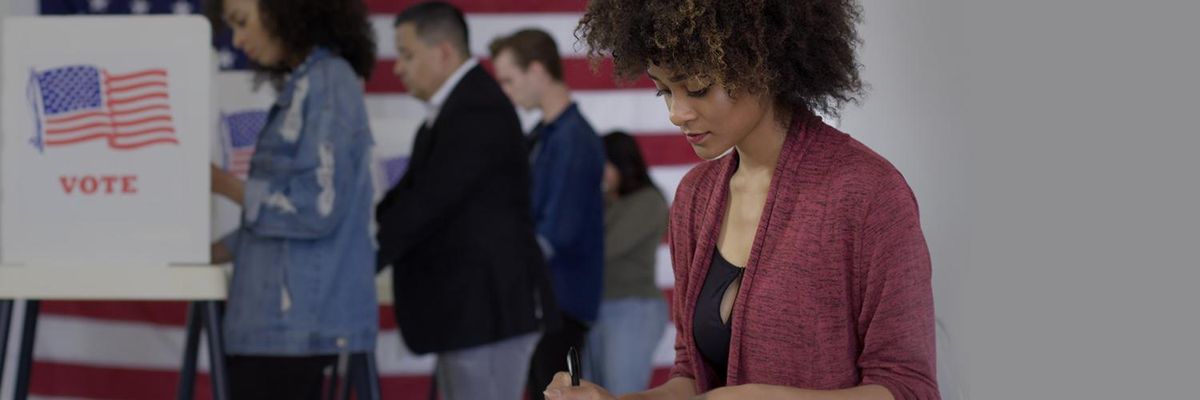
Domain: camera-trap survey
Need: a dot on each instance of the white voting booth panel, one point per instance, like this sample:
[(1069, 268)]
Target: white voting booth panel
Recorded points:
[(104, 180)]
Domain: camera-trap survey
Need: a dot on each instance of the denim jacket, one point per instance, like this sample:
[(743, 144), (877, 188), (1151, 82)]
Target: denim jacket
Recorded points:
[(303, 278)]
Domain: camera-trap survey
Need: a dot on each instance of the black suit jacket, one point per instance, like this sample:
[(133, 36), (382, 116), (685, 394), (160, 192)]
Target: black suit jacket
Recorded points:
[(458, 231)]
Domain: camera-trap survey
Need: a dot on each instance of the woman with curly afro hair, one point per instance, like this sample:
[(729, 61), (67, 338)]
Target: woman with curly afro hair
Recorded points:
[(801, 271), (302, 292)]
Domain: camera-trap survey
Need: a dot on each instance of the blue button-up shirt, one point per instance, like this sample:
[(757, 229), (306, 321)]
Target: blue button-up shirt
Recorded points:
[(568, 210)]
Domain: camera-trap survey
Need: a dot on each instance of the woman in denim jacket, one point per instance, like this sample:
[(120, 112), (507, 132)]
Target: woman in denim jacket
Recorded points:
[(303, 289)]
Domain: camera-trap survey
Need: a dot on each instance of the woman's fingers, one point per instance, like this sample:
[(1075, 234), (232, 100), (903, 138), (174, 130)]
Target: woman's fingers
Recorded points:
[(560, 389)]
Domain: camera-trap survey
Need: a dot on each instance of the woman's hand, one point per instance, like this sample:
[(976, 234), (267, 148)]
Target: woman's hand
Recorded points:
[(218, 254), (560, 389), (227, 185)]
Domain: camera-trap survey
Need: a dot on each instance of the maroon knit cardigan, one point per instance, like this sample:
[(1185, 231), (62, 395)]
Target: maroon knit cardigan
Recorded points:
[(836, 292)]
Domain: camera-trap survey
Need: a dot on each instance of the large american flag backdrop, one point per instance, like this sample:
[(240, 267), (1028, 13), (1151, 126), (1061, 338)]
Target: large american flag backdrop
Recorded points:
[(131, 350)]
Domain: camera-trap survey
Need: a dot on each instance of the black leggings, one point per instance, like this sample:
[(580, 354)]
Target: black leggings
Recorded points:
[(284, 378)]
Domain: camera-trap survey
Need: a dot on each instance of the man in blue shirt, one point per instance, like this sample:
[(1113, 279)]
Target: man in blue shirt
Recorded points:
[(568, 205)]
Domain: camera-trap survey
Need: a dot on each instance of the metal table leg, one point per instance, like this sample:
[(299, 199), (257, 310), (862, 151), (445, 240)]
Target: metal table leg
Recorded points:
[(216, 350), (25, 359), (187, 374)]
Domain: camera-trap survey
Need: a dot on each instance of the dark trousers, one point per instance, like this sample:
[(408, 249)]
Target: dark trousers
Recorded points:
[(550, 357), (283, 378)]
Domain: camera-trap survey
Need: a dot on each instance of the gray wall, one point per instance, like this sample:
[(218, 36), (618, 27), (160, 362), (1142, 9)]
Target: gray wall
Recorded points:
[(1052, 145), (4, 379), (912, 116), (1084, 221)]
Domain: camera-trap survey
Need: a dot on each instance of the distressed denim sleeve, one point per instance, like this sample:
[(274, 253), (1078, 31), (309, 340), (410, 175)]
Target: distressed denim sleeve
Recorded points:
[(306, 204)]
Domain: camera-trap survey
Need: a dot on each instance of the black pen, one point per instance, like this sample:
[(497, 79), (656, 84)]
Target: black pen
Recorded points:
[(573, 365)]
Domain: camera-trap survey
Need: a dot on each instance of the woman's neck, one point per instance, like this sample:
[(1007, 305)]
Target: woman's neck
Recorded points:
[(759, 151)]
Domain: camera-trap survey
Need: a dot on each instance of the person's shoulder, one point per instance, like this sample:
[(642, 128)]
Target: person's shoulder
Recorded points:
[(860, 176), (332, 72), (701, 180), (576, 129), (335, 66), (478, 89), (477, 105), (576, 118), (478, 93), (332, 82), (850, 161)]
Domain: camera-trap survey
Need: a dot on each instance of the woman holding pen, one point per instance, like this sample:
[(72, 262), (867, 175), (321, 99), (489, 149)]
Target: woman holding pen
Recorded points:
[(800, 268)]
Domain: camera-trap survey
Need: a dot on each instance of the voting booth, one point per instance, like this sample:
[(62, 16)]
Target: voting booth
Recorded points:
[(105, 150)]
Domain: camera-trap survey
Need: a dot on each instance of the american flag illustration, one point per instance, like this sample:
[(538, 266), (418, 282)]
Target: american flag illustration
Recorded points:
[(84, 103), (240, 133)]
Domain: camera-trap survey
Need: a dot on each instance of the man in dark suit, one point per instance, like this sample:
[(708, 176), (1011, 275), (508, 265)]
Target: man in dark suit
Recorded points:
[(469, 279)]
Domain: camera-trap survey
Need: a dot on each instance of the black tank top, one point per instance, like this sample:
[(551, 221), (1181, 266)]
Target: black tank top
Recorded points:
[(711, 334)]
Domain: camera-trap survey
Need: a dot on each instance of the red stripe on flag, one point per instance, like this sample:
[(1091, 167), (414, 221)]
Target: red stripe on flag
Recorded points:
[(75, 117), (155, 95), (484, 6), (669, 148), (146, 131), (77, 128), (80, 139), (113, 137), (404, 387), (108, 382), (577, 73), (162, 84), (132, 75), (141, 109), (169, 313), (159, 118), (387, 317), (137, 145)]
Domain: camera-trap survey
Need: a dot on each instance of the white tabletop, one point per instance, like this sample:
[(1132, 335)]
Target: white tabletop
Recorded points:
[(163, 282), (174, 282)]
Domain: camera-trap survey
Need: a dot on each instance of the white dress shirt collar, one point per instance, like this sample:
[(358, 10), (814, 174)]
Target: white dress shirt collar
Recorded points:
[(439, 97)]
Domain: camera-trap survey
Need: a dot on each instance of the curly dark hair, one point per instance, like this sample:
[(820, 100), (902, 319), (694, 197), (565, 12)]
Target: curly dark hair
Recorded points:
[(340, 25), (801, 53)]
